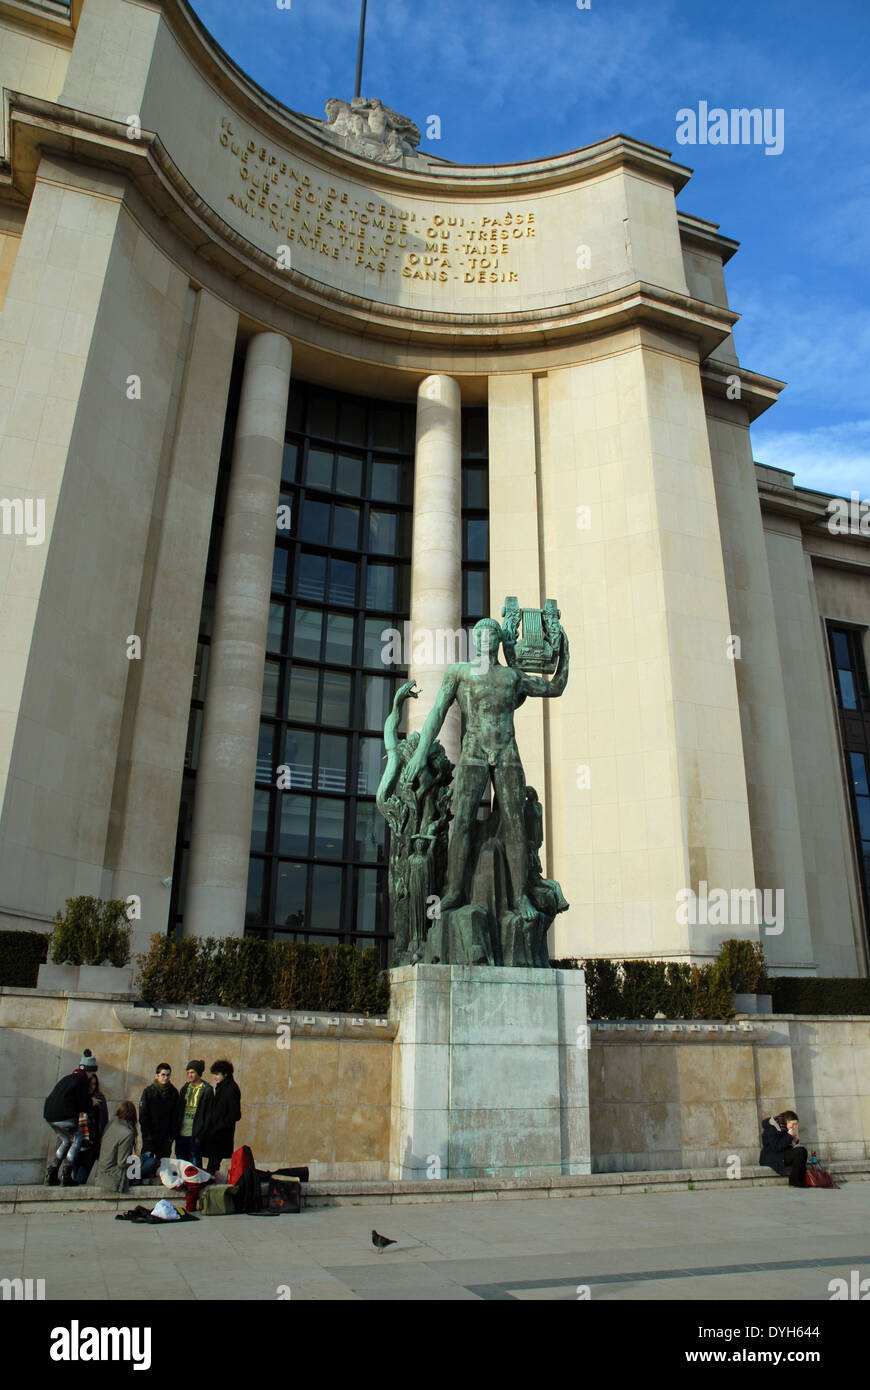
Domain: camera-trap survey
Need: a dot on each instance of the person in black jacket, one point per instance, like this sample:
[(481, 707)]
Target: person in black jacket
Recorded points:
[(62, 1108), (780, 1149), (193, 1115), (226, 1111), (158, 1113), (93, 1124)]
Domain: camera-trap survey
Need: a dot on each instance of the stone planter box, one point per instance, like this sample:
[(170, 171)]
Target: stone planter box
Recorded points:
[(753, 1003), (87, 979)]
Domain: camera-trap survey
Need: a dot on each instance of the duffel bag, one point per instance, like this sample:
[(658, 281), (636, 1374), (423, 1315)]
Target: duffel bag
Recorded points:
[(217, 1201), (285, 1194)]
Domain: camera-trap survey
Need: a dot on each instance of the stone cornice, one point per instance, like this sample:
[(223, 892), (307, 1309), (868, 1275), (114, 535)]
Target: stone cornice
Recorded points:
[(757, 392), (809, 510), (697, 232), (40, 127), (262, 109), (203, 1018)]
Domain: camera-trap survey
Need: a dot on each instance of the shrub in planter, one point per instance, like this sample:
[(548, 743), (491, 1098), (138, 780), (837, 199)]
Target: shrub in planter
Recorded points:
[(92, 932), (740, 966)]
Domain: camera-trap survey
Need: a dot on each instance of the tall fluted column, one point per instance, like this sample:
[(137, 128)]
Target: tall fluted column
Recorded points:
[(436, 557), (217, 874)]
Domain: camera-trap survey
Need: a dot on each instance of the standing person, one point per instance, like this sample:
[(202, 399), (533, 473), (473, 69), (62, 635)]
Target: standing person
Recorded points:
[(62, 1108), (158, 1113), (781, 1150), (193, 1115), (226, 1112), (119, 1142), (93, 1123)]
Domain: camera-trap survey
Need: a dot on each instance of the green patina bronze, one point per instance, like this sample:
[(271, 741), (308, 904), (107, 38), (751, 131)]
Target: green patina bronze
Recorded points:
[(482, 899)]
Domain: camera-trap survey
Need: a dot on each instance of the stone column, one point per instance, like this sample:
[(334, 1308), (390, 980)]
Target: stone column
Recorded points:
[(217, 874), (436, 557)]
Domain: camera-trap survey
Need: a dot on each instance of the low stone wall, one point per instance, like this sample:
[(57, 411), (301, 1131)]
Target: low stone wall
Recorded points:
[(315, 1088), (662, 1095), (690, 1095)]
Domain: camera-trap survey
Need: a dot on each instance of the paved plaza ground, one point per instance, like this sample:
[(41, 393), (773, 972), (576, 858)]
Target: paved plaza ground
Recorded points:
[(753, 1243)]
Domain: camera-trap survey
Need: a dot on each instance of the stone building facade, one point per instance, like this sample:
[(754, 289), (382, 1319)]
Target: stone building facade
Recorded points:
[(273, 387)]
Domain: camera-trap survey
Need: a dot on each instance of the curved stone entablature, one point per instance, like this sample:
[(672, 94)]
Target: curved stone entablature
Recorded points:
[(525, 252)]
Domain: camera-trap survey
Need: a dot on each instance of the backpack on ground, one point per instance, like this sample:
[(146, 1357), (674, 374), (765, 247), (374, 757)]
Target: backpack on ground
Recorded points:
[(241, 1162)]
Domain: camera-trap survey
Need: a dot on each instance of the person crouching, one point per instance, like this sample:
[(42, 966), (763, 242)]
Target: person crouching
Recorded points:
[(780, 1149), (118, 1143)]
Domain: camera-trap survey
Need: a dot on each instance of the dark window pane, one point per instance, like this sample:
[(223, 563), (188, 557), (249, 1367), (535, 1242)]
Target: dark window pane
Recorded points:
[(254, 901), (312, 575), (329, 828), (290, 895), (349, 476), (295, 812), (200, 671), (285, 516), (352, 423), (182, 880), (387, 432), (339, 638), (383, 533), (264, 752), (847, 690), (371, 907), (302, 702), (335, 706), (475, 491), (290, 463), (371, 765), (275, 630), (269, 698), (863, 804), (299, 756), (315, 523), (371, 833), (342, 582), (260, 822), (391, 481), (214, 548), (345, 528), (476, 540), (322, 411), (474, 593), (206, 619), (279, 569), (403, 592), (318, 469), (841, 650), (332, 768), (381, 586), (306, 633), (377, 642), (475, 441), (859, 773), (377, 701), (326, 898), (194, 733), (296, 408)]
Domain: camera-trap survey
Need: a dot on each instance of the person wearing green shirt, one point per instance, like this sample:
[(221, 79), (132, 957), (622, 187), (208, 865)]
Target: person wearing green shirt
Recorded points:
[(195, 1100)]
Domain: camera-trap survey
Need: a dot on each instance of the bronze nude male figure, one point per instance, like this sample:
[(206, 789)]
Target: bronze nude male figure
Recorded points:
[(487, 693)]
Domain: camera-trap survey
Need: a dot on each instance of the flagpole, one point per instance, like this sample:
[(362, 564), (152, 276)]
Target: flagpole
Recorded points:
[(359, 52)]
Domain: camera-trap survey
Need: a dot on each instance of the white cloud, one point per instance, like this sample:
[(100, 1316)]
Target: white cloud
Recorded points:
[(830, 458)]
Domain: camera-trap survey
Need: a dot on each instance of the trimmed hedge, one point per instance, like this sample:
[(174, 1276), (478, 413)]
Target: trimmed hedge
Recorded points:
[(247, 973), (826, 996), (21, 955), (647, 988)]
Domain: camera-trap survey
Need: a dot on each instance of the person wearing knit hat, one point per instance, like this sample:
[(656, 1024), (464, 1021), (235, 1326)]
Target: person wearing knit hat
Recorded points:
[(193, 1116), (71, 1095)]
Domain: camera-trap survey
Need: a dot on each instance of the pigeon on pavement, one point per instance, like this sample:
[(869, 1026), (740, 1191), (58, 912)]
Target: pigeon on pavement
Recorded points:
[(381, 1242)]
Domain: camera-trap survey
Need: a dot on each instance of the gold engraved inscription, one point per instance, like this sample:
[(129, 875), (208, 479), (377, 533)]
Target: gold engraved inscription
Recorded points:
[(341, 225)]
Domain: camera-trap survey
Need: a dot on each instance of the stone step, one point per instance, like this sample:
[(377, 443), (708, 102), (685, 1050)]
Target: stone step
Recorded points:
[(29, 1198)]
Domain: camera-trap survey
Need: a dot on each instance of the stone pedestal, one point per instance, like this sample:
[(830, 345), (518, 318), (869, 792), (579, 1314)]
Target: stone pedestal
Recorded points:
[(87, 979), (490, 1077)]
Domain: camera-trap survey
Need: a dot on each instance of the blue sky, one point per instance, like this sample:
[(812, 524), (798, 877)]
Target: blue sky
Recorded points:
[(521, 79)]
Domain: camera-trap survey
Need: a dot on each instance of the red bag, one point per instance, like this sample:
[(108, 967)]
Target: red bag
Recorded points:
[(816, 1176), (241, 1162)]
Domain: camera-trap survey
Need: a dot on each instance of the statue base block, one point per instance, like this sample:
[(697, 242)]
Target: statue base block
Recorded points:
[(490, 1073)]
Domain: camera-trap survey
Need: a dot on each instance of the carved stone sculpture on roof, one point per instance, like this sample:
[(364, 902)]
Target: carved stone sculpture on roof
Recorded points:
[(364, 126)]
